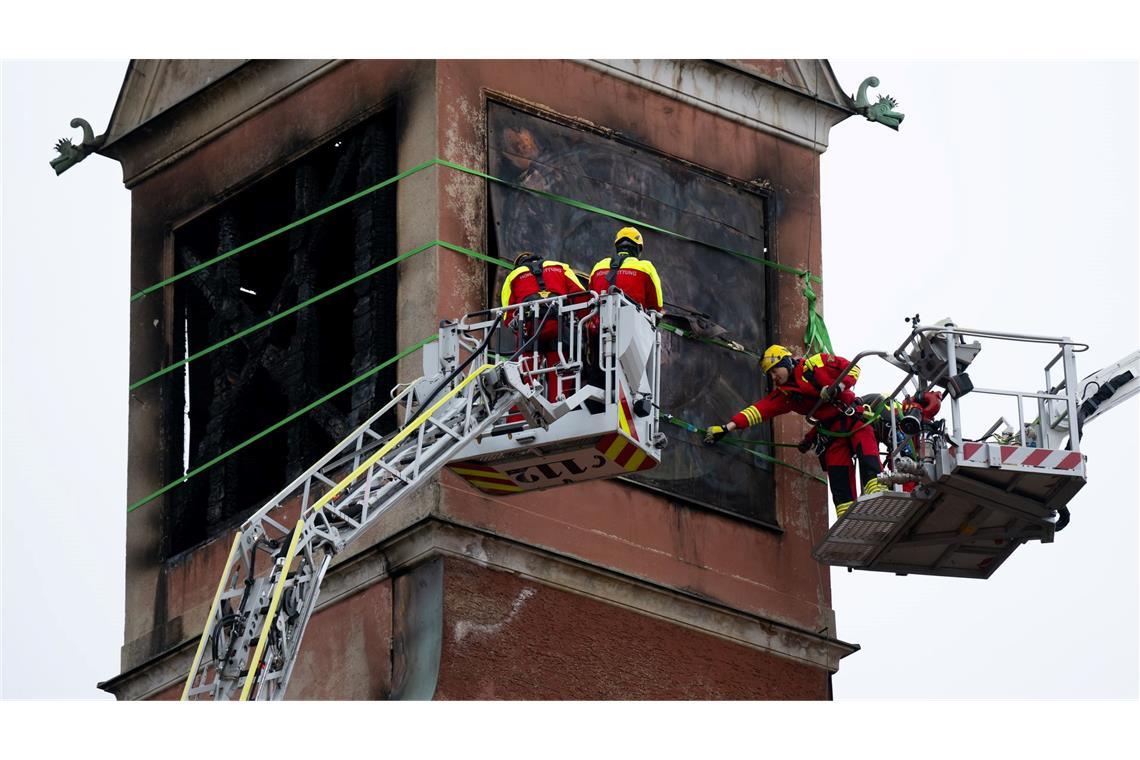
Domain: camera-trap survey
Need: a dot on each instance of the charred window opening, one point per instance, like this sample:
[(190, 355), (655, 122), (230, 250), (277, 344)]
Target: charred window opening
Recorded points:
[(245, 387), (702, 383)]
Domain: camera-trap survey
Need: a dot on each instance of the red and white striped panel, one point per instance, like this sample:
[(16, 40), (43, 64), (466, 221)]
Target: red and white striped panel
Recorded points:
[(1022, 456)]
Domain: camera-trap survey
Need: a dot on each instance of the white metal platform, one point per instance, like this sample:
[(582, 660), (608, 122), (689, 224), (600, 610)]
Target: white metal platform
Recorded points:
[(966, 523), (972, 503)]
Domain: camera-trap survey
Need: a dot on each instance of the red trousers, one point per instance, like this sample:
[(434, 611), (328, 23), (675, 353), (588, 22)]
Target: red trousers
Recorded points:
[(839, 458)]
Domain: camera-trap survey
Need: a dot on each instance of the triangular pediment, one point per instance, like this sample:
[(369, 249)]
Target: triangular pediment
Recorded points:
[(809, 76), (153, 86)]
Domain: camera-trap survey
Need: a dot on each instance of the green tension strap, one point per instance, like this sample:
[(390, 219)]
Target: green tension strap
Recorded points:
[(816, 333), (474, 172), (743, 444), (625, 219), (816, 337), (281, 315), (475, 254), (876, 412), (690, 335), (292, 225), (293, 309), (258, 436)]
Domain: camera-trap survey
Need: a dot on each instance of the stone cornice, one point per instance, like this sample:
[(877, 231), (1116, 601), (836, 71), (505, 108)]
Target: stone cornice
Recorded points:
[(152, 145), (433, 537), (740, 96)]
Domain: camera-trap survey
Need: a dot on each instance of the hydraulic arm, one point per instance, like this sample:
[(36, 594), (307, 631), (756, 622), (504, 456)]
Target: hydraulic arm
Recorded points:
[(252, 636), (515, 415)]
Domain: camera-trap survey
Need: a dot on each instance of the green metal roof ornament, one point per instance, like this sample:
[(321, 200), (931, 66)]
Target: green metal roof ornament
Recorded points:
[(882, 110), (69, 153)]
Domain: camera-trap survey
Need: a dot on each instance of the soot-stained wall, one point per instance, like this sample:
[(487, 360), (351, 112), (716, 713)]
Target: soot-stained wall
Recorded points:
[(705, 383), (246, 386)]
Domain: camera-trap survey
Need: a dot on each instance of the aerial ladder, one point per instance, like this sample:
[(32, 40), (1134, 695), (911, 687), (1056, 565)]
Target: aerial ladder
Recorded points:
[(492, 406), (959, 506)]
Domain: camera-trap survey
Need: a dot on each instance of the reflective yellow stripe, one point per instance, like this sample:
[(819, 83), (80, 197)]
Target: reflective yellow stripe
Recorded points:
[(277, 591), (635, 460), (210, 617), (569, 274), (480, 473), (506, 294), (632, 262), (752, 415), (622, 419), (649, 269), (397, 439), (615, 448), (814, 361)]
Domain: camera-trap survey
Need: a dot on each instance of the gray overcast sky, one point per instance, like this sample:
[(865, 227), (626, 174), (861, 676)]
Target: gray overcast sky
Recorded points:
[(998, 206), (1008, 200)]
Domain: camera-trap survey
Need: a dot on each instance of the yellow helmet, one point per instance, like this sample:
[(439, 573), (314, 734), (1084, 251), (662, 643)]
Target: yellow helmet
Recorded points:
[(631, 234), (773, 355)]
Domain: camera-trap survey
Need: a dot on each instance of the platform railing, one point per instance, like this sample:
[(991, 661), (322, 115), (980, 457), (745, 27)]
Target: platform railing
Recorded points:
[(950, 339), (587, 335)]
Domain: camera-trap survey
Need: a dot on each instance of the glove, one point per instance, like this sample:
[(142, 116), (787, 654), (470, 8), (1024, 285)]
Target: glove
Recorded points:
[(714, 434), (826, 393), (805, 445)]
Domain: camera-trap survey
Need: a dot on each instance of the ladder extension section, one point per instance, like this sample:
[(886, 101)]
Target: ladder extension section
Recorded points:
[(254, 629)]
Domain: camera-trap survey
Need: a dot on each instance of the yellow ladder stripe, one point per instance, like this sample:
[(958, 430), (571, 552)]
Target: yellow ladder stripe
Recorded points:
[(271, 612), (398, 439), (209, 628)]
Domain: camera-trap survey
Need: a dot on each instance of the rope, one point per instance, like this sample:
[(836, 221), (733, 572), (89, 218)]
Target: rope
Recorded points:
[(627, 219), (816, 337), (258, 436), (816, 334), (281, 315), (281, 230), (743, 444), (474, 172), (690, 335), (876, 412), (365, 275)]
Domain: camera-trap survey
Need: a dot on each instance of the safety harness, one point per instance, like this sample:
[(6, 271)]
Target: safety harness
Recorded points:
[(536, 265), (615, 266)]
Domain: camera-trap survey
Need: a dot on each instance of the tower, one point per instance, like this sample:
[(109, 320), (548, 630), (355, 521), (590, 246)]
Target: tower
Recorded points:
[(693, 580)]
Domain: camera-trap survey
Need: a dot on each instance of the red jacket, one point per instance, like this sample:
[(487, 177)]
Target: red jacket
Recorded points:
[(801, 392), (635, 277), (521, 284)]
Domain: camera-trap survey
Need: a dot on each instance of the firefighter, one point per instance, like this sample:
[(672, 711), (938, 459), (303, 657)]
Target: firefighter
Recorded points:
[(843, 432), (627, 271), (633, 275), (533, 279)]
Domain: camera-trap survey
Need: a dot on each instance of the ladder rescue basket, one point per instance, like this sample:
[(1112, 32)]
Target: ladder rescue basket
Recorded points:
[(965, 505)]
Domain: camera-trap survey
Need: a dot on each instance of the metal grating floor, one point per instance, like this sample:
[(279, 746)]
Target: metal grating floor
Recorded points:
[(965, 524), (869, 525)]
